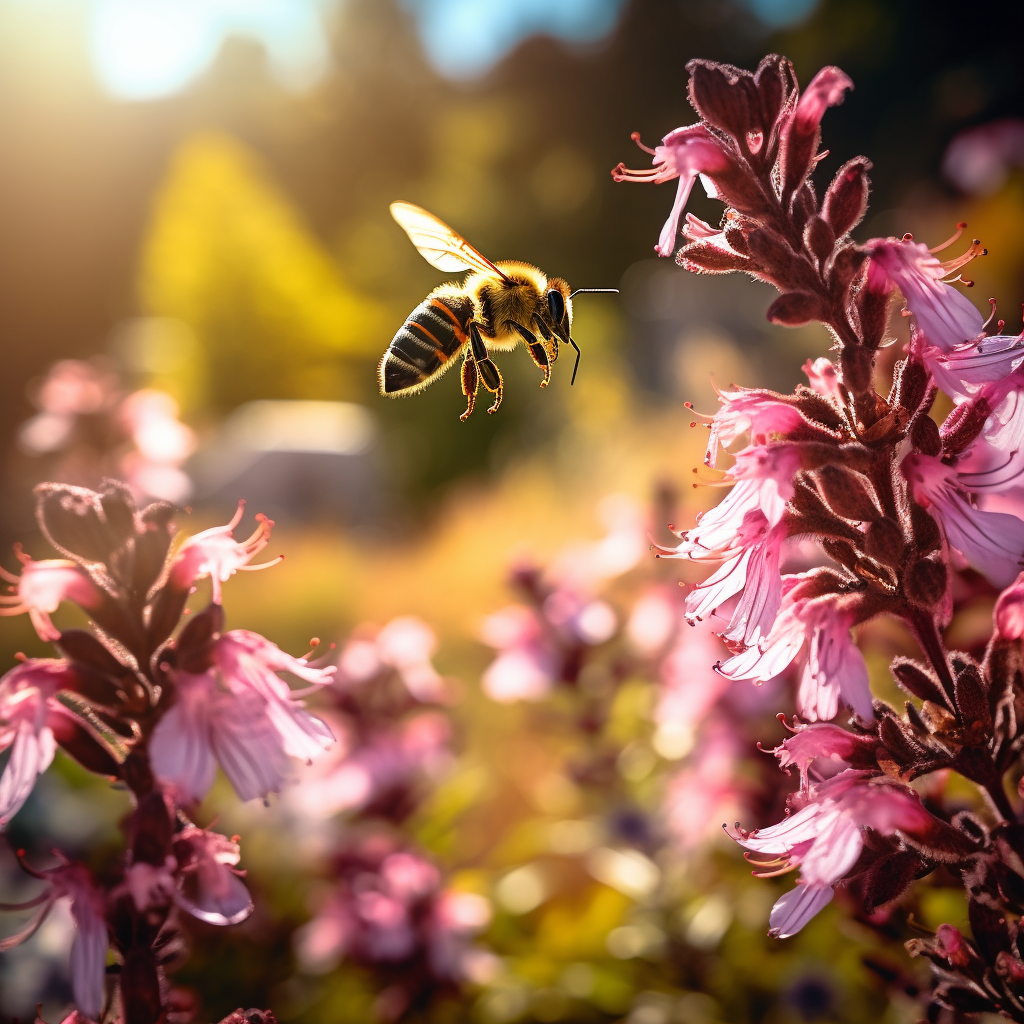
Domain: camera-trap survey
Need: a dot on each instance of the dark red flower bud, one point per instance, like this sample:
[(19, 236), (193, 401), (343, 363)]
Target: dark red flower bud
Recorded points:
[(705, 258), (886, 879), (772, 252), (873, 312), (924, 435), (857, 365), (820, 239), (847, 492), (774, 80), (972, 704), (724, 96), (925, 530), (195, 642), (917, 680), (845, 265), (73, 521), (884, 542), (791, 309), (847, 197), (962, 426), (910, 382), (926, 581)]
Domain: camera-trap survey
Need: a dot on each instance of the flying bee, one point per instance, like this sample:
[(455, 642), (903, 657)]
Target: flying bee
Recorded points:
[(495, 308)]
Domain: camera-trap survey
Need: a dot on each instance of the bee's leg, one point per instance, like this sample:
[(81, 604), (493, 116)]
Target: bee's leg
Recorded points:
[(548, 337), (470, 382), (537, 351), (489, 373)]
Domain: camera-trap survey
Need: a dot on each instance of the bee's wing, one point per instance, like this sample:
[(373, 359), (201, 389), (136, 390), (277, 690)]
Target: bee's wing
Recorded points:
[(438, 244)]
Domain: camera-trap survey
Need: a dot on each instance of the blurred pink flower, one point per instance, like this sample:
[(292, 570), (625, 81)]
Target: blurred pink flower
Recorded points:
[(1009, 611), (707, 790), (978, 160), (241, 715), (42, 586), (407, 644), (211, 887), (525, 668), (824, 839), (684, 154), (29, 712), (89, 948), (215, 553)]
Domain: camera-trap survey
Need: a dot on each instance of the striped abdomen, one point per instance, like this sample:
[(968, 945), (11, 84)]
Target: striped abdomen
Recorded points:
[(433, 335)]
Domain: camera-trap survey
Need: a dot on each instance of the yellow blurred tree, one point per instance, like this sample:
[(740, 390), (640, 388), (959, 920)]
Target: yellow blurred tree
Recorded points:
[(229, 262)]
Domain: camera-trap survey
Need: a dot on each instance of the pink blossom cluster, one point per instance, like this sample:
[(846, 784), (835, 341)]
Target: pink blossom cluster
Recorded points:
[(88, 426), (156, 703), (903, 504)]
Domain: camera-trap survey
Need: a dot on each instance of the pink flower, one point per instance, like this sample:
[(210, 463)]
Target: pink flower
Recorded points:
[(706, 790), (211, 887), (823, 378), (750, 570), (29, 713), (819, 629), (215, 553), (42, 586), (826, 89), (241, 715), (824, 839), (684, 154), (89, 948), (525, 668), (822, 741), (991, 542), (963, 369), (1009, 611), (945, 316), (455, 918), (407, 644), (760, 414)]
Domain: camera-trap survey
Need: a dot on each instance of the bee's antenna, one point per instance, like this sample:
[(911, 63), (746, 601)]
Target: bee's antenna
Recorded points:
[(576, 365), (595, 291)]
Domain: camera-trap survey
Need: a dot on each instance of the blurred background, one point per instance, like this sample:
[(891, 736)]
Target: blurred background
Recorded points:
[(198, 276)]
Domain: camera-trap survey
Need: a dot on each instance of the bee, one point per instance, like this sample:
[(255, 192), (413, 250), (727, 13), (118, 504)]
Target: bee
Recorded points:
[(495, 308)]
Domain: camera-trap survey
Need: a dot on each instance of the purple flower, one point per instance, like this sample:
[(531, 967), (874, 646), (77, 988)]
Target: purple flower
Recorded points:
[(238, 714), (824, 839)]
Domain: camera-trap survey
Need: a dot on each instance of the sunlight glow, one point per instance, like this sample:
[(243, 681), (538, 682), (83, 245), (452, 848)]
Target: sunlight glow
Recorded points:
[(145, 49)]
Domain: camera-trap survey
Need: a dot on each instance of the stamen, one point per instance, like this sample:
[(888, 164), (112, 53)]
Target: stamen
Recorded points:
[(960, 228), (976, 249), (991, 316), (647, 149), (701, 415)]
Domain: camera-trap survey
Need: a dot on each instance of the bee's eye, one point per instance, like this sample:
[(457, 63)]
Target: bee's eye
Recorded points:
[(556, 305)]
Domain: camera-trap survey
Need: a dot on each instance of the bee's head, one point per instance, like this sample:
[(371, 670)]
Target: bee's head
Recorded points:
[(559, 306)]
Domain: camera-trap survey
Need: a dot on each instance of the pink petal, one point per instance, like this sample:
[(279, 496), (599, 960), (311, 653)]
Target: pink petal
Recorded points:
[(795, 908)]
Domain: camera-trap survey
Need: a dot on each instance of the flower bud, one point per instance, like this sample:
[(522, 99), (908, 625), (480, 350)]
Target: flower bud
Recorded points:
[(925, 584), (791, 309), (884, 542), (924, 435), (820, 239), (724, 96), (705, 258), (873, 310), (916, 680), (910, 383), (847, 492), (857, 365), (847, 197), (924, 529)]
